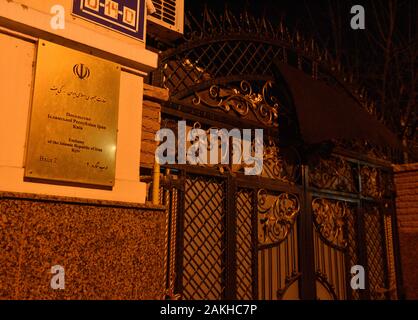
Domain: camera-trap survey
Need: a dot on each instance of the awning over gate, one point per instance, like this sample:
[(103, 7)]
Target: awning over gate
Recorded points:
[(326, 113)]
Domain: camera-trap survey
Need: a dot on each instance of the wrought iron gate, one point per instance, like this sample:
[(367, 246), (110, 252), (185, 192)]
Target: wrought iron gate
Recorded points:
[(294, 232), (234, 237)]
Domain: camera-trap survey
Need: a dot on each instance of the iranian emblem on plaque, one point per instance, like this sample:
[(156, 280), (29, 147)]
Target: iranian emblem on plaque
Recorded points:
[(73, 125)]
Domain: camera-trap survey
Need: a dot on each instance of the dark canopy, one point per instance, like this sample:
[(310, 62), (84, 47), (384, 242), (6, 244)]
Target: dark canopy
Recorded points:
[(326, 113)]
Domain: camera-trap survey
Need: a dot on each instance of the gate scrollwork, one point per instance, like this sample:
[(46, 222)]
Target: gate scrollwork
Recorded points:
[(242, 100), (277, 215), (330, 219)]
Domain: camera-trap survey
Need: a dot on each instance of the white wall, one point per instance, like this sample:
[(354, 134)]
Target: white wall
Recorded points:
[(17, 60), (33, 17)]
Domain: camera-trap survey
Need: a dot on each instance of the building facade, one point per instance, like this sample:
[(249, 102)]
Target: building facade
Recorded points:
[(317, 215), (105, 242)]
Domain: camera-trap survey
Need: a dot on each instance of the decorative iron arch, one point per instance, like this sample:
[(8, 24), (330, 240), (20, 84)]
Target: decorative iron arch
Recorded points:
[(218, 50)]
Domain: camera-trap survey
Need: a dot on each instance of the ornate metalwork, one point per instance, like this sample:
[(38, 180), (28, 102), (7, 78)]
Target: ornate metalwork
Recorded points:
[(243, 101), (244, 46), (370, 182), (329, 219), (214, 26), (335, 173), (225, 65), (220, 49), (277, 166), (334, 243), (277, 215), (273, 162)]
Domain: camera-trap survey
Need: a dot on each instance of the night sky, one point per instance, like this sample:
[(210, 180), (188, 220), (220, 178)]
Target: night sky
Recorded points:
[(295, 12)]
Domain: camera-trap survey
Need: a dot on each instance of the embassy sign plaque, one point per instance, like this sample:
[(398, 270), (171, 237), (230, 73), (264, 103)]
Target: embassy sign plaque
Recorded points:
[(73, 125), (124, 16)]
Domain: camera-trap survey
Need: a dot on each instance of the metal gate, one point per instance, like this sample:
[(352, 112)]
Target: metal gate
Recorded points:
[(294, 232), (234, 237)]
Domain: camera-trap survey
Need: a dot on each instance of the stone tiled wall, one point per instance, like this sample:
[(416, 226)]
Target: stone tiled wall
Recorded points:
[(406, 179), (108, 250), (151, 118)]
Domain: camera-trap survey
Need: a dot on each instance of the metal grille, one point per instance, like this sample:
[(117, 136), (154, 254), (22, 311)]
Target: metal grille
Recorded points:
[(165, 11), (215, 50), (219, 60), (244, 244), (375, 251), (335, 173), (203, 256), (219, 47)]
